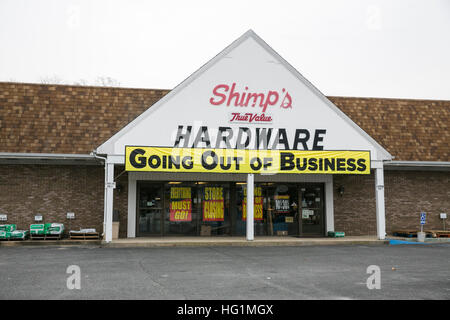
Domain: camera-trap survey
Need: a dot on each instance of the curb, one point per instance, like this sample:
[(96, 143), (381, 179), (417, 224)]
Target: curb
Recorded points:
[(166, 244), (43, 243), (193, 243)]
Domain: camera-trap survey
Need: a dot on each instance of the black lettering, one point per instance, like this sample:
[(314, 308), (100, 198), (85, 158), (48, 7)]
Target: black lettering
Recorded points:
[(361, 165), (187, 162), (340, 164), (329, 164), (223, 165), (224, 138), (318, 138), (186, 136), (137, 164), (281, 138), (174, 162), (267, 162), (237, 160), (286, 161), (263, 138), (351, 164), (258, 165), (239, 144), (301, 167), (202, 137), (154, 165), (312, 164), (303, 140), (205, 164)]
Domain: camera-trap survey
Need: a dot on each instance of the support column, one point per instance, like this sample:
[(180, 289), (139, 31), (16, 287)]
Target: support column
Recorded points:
[(250, 206), (132, 190), (379, 196), (109, 186)]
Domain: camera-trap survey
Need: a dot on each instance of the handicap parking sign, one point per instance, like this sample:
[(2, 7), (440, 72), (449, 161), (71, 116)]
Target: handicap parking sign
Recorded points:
[(423, 217)]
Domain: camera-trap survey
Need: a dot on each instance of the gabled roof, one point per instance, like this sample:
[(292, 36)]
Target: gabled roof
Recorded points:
[(63, 119), (109, 146)]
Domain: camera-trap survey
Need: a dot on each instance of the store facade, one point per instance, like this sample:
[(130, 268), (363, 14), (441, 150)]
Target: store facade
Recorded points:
[(245, 126), (311, 163)]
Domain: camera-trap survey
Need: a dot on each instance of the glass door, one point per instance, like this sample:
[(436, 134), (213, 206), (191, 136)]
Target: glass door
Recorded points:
[(150, 209), (312, 210)]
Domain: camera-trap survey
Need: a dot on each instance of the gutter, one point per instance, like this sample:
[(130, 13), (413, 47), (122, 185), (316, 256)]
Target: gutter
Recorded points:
[(46, 156), (418, 165), (94, 154)]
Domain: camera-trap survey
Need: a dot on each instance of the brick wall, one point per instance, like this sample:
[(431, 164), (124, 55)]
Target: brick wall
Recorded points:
[(52, 191), (55, 190), (407, 193), (354, 211)]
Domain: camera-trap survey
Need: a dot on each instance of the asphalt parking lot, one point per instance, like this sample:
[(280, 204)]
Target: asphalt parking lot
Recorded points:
[(308, 272)]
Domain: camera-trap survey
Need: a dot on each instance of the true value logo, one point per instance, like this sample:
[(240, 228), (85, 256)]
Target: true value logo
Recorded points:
[(224, 94)]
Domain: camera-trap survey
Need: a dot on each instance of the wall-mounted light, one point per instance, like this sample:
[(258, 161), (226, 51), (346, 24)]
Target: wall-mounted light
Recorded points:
[(38, 218), (3, 217), (341, 190), (70, 215)]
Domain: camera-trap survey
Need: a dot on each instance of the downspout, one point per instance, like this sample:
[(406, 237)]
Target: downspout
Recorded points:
[(94, 153)]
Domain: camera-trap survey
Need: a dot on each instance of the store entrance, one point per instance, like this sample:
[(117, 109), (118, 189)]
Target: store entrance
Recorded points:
[(312, 214), (212, 208), (283, 209)]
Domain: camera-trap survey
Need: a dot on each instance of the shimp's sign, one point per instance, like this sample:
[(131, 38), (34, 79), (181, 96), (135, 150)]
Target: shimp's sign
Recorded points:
[(156, 159)]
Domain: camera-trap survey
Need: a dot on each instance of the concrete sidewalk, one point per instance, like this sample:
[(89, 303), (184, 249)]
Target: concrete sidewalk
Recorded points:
[(202, 242), (239, 241)]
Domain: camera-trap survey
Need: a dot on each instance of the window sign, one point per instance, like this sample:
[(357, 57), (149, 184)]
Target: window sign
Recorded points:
[(282, 203), (180, 204), (258, 204), (213, 204)]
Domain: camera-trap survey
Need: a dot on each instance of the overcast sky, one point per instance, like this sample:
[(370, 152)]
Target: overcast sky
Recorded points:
[(367, 48)]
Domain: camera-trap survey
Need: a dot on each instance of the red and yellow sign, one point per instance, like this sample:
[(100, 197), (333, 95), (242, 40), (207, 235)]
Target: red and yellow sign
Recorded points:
[(180, 204), (213, 204), (258, 204)]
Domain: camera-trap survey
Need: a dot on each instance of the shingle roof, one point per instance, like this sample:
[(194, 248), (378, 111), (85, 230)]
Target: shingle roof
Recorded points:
[(40, 118), (411, 130)]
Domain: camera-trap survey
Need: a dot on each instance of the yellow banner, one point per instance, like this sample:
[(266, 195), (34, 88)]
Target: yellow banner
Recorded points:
[(245, 161)]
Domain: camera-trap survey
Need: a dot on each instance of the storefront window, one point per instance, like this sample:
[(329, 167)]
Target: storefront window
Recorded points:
[(203, 208)]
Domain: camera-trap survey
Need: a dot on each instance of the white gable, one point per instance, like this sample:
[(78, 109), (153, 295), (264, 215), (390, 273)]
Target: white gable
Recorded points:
[(247, 87)]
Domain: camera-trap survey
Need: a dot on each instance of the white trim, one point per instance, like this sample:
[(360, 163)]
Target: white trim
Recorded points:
[(109, 201), (132, 201), (417, 164), (55, 156), (329, 205), (380, 205)]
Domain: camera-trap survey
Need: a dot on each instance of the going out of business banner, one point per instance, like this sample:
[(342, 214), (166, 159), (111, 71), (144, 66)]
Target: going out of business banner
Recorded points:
[(164, 159)]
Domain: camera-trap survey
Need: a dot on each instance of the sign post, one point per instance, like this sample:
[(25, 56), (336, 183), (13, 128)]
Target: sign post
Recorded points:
[(421, 235), (423, 219)]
